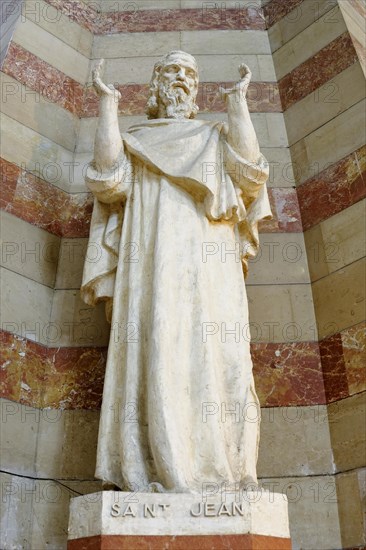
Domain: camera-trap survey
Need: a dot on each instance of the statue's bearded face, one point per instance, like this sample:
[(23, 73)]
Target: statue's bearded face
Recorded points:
[(178, 83)]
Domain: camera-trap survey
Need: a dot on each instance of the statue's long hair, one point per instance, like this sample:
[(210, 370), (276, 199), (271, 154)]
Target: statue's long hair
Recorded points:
[(152, 105)]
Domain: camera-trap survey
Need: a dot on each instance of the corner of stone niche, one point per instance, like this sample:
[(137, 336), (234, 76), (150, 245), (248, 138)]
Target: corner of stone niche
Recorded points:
[(123, 517)]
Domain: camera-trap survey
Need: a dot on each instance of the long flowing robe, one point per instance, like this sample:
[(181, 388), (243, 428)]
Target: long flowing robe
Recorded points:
[(175, 221)]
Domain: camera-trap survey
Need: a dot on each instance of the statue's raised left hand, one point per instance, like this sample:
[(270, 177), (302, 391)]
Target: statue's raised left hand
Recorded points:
[(240, 89), (99, 86)]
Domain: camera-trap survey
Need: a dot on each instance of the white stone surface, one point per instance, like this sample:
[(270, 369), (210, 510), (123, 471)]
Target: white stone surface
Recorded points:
[(118, 513)]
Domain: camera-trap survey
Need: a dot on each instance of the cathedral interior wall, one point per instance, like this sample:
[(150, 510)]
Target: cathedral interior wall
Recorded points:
[(305, 289)]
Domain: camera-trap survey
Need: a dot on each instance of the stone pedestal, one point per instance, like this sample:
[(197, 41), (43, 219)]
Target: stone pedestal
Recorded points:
[(136, 521)]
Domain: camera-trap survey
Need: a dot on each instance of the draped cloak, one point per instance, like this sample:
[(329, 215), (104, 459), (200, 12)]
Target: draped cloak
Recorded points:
[(175, 221)]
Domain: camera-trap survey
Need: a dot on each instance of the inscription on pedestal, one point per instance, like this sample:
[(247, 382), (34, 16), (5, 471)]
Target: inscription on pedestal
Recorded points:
[(148, 510), (117, 513), (198, 509)]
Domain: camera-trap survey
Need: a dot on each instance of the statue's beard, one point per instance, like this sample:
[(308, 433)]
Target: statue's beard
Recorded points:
[(177, 101)]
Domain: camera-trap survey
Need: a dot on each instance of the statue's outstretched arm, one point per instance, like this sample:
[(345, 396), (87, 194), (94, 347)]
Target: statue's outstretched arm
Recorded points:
[(241, 135), (108, 142)]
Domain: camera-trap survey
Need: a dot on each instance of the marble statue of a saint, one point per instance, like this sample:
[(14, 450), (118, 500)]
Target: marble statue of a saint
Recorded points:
[(177, 203)]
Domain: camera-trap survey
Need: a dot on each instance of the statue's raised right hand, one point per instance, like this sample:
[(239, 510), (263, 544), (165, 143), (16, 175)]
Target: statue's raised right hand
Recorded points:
[(99, 86)]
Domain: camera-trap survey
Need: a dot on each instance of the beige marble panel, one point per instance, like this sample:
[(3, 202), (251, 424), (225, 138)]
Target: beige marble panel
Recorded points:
[(212, 68), (281, 313), (26, 306), (231, 42), (299, 19), (131, 45), (281, 172), (327, 102), (37, 154), (80, 325), (347, 431), (28, 250), (361, 474), (336, 139), (277, 134), (81, 161), (51, 49), (339, 299), (71, 263), (37, 113), (48, 443), (35, 512), (317, 250), (351, 508), (127, 70), (67, 444), (304, 433), (16, 511), (313, 510), (281, 259), (224, 68), (270, 127), (266, 68), (85, 141), (308, 42), (337, 241), (19, 437), (53, 21)]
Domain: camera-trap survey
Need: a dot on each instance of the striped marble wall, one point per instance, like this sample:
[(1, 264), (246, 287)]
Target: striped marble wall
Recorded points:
[(322, 89), (306, 104)]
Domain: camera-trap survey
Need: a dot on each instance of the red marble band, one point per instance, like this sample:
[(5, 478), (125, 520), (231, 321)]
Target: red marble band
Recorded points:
[(58, 378), (334, 58), (211, 16), (82, 101), (39, 76), (343, 357), (40, 203), (286, 374), (285, 211), (198, 542), (333, 189), (263, 97), (278, 9)]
